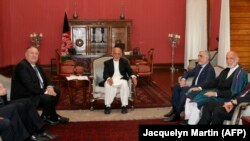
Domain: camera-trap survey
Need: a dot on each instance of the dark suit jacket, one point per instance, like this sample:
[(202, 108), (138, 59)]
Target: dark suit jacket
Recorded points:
[(222, 84), (206, 75), (25, 83), (124, 68)]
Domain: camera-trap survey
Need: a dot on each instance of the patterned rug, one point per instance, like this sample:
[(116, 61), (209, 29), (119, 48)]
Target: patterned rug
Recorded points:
[(149, 95), (102, 130)]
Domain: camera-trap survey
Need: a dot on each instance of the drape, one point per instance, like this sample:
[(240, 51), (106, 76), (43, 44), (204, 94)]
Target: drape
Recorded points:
[(224, 33), (196, 29)]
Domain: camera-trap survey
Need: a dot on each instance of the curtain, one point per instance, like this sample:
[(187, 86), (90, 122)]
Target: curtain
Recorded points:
[(196, 29), (224, 33)]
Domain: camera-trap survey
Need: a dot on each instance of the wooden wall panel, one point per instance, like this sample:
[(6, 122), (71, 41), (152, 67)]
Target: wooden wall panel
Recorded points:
[(240, 30)]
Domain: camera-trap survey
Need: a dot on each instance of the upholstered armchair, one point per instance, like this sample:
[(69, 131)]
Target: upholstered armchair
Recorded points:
[(67, 67), (97, 77), (144, 67)]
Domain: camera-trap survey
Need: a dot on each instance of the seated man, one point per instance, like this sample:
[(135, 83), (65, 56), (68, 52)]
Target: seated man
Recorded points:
[(20, 120), (202, 73), (30, 81), (215, 112), (116, 75), (227, 85)]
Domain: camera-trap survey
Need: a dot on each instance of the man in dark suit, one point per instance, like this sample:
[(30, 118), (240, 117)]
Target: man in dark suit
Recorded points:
[(202, 73), (116, 75), (20, 120), (215, 112), (30, 81)]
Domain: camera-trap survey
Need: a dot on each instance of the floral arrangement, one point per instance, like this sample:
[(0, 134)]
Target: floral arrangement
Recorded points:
[(66, 44)]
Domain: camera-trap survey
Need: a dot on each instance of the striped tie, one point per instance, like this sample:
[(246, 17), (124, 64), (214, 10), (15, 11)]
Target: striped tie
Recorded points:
[(39, 77)]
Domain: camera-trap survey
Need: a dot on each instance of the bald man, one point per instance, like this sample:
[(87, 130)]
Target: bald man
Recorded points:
[(116, 75), (226, 86)]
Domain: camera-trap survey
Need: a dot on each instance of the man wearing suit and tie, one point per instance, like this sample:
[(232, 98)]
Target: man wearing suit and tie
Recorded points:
[(116, 75), (30, 81), (202, 73), (215, 112)]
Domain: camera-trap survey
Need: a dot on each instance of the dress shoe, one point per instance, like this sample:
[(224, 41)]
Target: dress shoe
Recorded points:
[(172, 118), (37, 137), (124, 110), (62, 119), (107, 110), (184, 122), (48, 120), (171, 112), (48, 136)]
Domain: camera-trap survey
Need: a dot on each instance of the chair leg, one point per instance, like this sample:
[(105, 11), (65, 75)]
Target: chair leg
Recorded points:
[(92, 105)]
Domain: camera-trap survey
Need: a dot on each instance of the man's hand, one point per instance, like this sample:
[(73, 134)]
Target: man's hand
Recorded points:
[(228, 106), (182, 82), (3, 91), (134, 80), (50, 91), (210, 94), (110, 81), (193, 89)]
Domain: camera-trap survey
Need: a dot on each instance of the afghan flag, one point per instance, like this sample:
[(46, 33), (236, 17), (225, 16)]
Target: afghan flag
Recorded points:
[(66, 41)]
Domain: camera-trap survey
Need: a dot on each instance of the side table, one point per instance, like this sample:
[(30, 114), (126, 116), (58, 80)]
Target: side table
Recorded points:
[(79, 86)]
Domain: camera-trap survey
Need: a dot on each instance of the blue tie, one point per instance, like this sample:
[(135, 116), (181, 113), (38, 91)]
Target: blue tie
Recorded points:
[(39, 76)]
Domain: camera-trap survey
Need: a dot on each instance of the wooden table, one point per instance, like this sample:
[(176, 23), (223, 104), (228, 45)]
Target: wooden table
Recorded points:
[(79, 86)]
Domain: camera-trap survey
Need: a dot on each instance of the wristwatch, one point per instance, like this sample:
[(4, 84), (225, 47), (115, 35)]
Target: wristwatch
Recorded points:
[(234, 102)]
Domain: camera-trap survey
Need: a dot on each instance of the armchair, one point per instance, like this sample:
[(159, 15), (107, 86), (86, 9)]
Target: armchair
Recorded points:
[(67, 67), (97, 77), (144, 67)]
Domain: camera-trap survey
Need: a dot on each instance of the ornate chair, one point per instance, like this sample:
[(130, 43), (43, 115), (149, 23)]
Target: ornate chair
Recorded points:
[(67, 67), (97, 77), (145, 66)]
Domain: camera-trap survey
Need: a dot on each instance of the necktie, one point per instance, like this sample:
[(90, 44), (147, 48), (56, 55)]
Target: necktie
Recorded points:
[(196, 80), (39, 76)]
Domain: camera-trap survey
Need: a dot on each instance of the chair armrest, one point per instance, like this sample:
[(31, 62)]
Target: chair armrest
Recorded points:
[(238, 113)]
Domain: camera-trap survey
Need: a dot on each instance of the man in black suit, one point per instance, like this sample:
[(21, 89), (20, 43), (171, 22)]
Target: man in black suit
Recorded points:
[(30, 81), (116, 75), (20, 120), (215, 112), (202, 73)]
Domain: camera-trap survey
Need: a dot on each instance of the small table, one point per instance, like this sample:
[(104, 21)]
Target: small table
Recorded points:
[(79, 85)]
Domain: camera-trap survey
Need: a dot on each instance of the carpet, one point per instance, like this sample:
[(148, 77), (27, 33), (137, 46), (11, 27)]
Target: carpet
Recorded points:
[(102, 130), (149, 95)]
